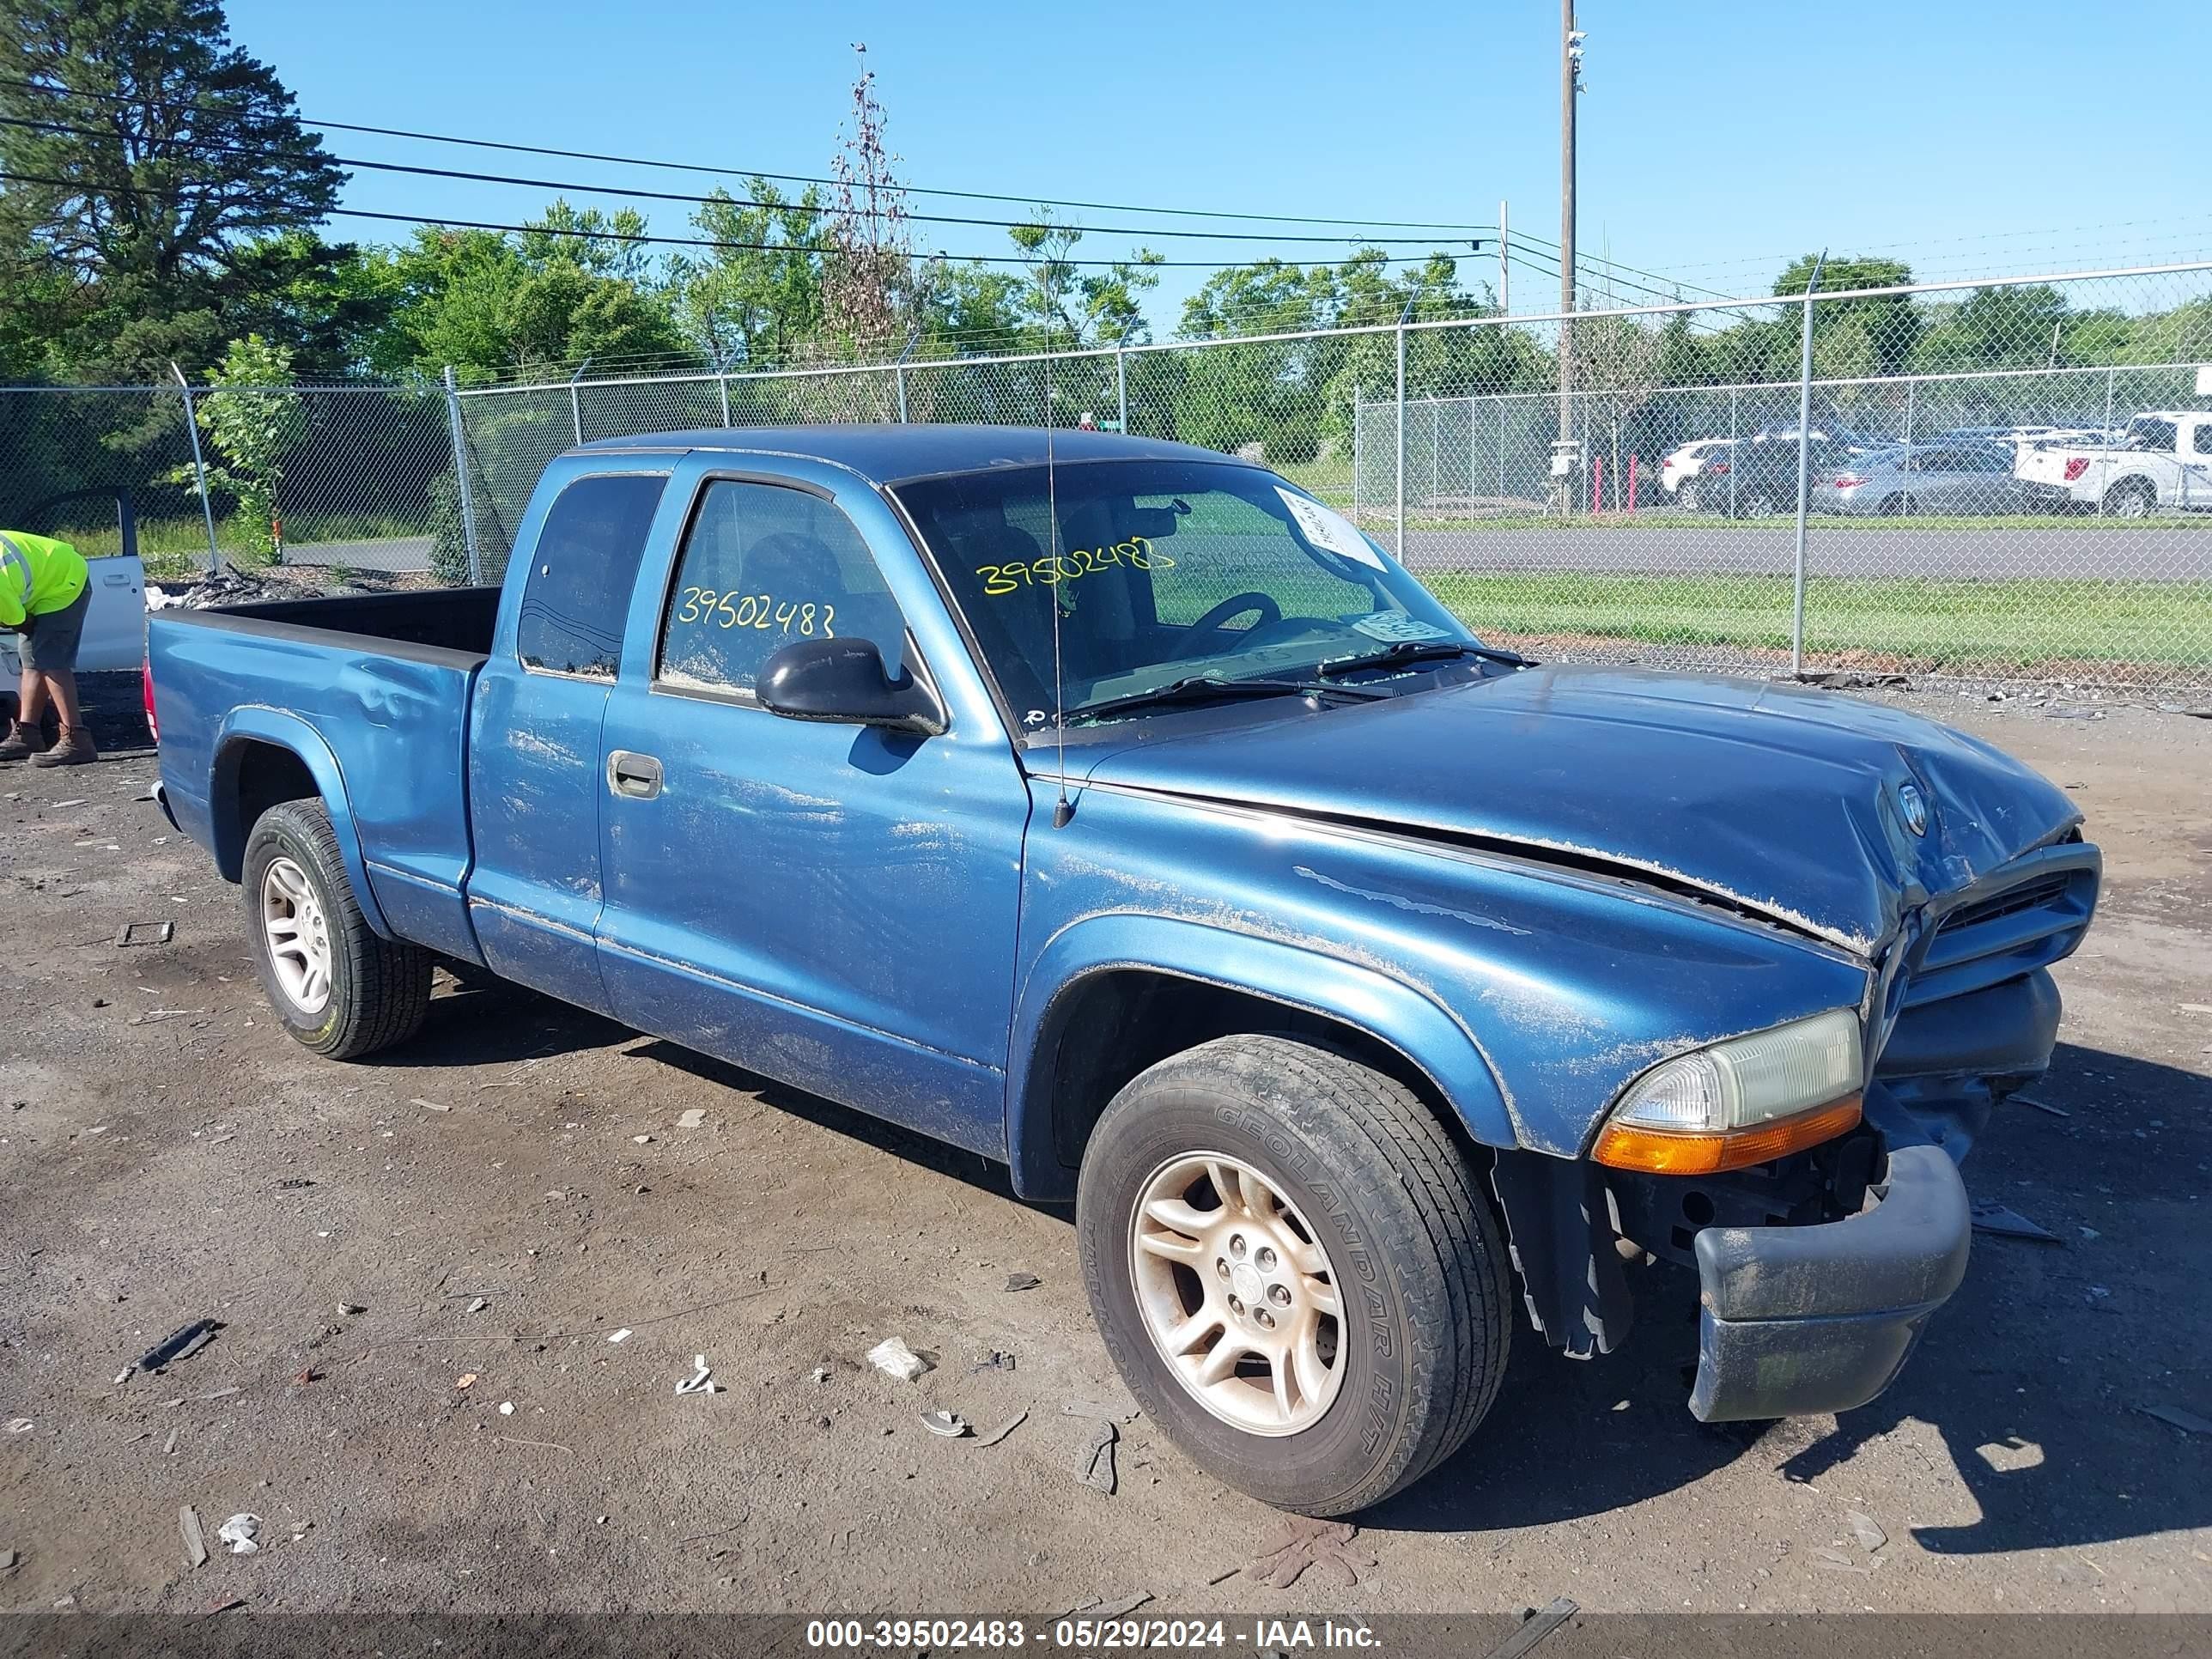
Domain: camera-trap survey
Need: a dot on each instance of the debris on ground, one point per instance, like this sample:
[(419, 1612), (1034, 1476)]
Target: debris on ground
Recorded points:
[(1866, 1530), (478, 1305), (701, 1379), (507, 1408), (949, 1426), (429, 1105), (819, 1374), (155, 1017), (179, 1344), (693, 1118), (622, 1335), (2010, 1223), (2187, 1422), (1120, 1410), (170, 1450), (1296, 1544), (20, 1426), (1003, 1429), (240, 1533), (307, 1374), (1001, 1360), (894, 1359), (1128, 1604), (196, 1549), (1022, 1281), (1536, 1625), (145, 933), (7, 1559), (1836, 1561), (1095, 1466), (2043, 1106), (466, 1380), (642, 1141)]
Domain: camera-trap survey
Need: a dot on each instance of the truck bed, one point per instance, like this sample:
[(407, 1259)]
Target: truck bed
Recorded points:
[(373, 694)]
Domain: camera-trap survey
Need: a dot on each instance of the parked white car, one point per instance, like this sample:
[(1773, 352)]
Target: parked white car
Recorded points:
[(1687, 460), (114, 628), (2163, 460)]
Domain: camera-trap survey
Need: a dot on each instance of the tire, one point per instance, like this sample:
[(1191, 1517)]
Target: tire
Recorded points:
[(2131, 498), (1895, 507), (1366, 1174), (375, 991), (1758, 504), (1687, 497)]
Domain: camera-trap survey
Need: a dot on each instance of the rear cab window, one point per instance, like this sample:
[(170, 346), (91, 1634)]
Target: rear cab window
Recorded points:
[(581, 572)]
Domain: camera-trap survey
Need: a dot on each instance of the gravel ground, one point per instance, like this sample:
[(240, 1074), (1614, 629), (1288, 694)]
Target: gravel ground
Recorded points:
[(499, 1199)]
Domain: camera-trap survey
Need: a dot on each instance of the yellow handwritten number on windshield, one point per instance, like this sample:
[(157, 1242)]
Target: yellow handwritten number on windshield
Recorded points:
[(1071, 566)]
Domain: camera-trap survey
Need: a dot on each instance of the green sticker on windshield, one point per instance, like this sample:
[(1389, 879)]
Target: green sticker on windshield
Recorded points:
[(1395, 627)]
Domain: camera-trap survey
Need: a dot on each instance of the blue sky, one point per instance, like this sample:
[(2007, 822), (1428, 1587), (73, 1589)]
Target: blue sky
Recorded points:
[(1718, 139)]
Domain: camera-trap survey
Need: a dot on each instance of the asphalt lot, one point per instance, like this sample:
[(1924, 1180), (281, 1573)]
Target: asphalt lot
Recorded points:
[(2159, 553), (168, 1154)]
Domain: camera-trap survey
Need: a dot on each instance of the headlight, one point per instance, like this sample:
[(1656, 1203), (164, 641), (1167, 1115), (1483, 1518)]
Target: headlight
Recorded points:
[(1743, 1102)]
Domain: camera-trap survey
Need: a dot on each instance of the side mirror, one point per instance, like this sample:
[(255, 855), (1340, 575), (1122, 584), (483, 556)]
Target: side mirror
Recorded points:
[(842, 682)]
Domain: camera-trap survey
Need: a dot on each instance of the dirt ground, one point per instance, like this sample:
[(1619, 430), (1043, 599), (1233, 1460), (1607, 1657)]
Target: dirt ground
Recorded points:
[(499, 1200)]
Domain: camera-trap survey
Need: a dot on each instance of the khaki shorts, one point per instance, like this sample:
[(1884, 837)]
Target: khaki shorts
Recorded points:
[(50, 638)]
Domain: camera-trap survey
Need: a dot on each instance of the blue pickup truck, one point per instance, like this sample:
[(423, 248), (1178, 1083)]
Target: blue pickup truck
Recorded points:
[(1116, 810)]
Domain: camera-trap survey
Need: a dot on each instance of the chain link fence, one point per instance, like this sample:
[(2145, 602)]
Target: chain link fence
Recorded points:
[(2003, 482)]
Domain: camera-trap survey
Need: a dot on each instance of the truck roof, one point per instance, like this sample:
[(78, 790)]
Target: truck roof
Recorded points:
[(887, 453)]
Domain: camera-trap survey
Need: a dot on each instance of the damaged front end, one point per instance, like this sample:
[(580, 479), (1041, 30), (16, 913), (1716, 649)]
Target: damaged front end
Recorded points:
[(1818, 1269)]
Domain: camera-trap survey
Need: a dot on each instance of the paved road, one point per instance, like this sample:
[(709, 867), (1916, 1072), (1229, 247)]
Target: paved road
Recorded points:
[(2160, 553), (392, 553)]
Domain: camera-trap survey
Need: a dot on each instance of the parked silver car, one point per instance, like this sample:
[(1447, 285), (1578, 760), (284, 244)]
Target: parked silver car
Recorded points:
[(1974, 478)]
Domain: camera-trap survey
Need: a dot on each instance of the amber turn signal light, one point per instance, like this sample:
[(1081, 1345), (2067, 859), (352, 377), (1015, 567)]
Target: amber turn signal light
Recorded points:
[(1656, 1151)]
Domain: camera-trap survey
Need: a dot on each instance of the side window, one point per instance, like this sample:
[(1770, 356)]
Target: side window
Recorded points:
[(763, 565), (578, 591), (2152, 434)]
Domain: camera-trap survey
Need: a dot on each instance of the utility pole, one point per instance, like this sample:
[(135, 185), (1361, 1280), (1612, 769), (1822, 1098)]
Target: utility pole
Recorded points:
[(1505, 264), (1564, 461)]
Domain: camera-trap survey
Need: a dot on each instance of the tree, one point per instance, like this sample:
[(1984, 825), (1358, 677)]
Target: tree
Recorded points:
[(1855, 337), (146, 150), (1081, 306), (253, 419), (747, 304), (866, 272)]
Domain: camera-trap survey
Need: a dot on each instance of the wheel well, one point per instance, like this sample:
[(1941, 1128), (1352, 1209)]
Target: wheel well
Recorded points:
[(1111, 1025), (251, 777)]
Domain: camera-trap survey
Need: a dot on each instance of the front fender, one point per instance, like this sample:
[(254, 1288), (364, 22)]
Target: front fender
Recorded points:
[(1386, 1009), (258, 723)]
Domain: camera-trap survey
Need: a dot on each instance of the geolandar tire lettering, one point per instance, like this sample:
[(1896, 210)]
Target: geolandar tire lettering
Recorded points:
[(1295, 1270), (340, 988)]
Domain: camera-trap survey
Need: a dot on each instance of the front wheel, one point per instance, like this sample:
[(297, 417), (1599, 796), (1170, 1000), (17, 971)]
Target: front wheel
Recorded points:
[(1294, 1270), (339, 988)]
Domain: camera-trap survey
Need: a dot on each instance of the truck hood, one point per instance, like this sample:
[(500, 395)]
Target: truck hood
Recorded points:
[(1790, 804)]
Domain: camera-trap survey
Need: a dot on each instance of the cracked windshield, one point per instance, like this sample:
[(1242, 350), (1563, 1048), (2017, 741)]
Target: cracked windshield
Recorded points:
[(1169, 577)]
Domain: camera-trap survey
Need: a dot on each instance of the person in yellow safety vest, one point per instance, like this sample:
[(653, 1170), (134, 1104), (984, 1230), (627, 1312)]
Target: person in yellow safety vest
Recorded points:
[(45, 592)]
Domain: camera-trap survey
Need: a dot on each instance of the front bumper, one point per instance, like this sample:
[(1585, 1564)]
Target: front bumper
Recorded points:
[(1809, 1319)]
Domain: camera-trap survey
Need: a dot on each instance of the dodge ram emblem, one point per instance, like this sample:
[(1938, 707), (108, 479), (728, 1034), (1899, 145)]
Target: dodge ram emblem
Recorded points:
[(1914, 808)]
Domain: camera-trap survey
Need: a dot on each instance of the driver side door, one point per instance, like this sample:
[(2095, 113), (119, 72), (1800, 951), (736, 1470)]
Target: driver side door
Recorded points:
[(833, 906)]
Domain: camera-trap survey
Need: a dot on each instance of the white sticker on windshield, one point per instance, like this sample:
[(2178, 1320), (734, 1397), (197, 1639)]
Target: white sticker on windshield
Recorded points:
[(1330, 531), (1394, 626)]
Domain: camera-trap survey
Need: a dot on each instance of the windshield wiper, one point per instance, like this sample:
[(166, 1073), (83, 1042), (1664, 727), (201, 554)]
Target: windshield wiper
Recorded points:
[(1205, 688), (1412, 650)]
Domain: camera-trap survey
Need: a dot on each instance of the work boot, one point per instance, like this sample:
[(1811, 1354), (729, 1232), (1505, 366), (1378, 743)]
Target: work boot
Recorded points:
[(74, 749), (21, 742)]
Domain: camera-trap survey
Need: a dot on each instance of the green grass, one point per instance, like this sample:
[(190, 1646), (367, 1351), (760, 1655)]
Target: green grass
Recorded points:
[(1918, 623), (186, 538)]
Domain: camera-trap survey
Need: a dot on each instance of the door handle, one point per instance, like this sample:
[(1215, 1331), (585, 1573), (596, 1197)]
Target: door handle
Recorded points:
[(637, 776)]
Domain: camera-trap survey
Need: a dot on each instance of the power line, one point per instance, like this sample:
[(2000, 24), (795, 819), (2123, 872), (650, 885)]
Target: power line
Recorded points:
[(813, 208), (780, 178), (641, 237)]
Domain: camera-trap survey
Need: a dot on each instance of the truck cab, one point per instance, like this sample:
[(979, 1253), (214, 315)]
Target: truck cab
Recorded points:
[(2161, 460)]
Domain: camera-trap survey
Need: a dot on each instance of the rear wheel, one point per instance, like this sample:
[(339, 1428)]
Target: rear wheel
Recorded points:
[(1685, 495), (2131, 498), (1758, 504), (338, 987), (1294, 1270)]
